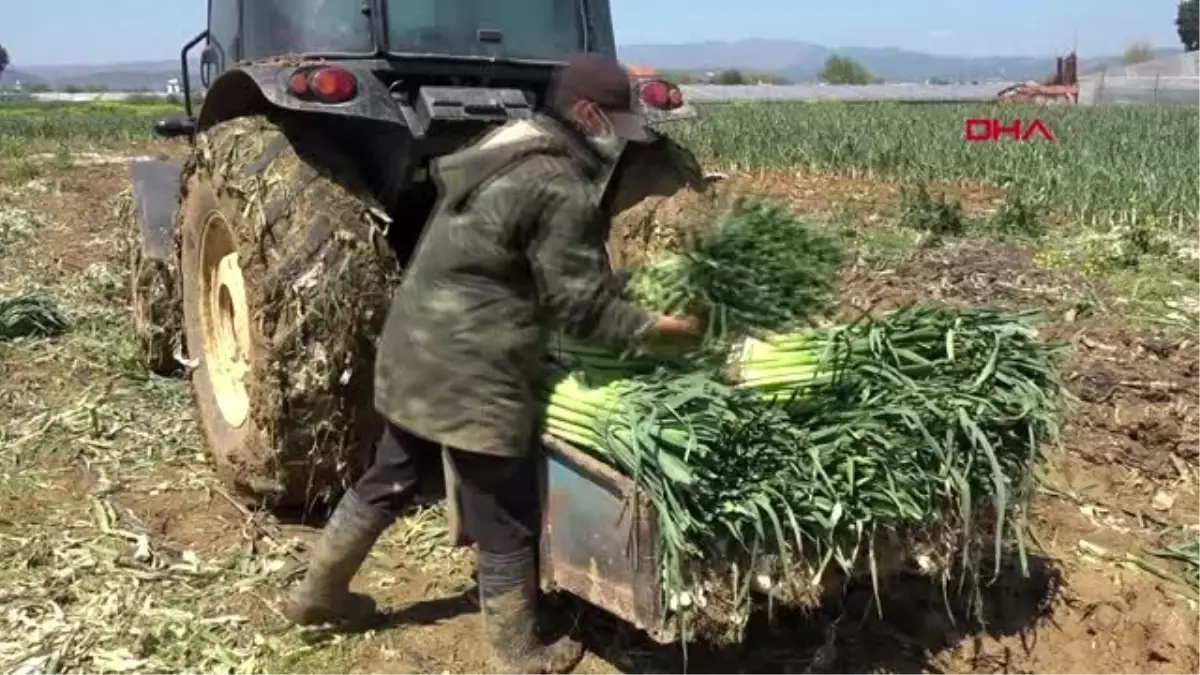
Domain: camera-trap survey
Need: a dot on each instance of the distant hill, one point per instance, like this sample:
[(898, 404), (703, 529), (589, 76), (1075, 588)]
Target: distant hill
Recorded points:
[(134, 76), (11, 75), (794, 60)]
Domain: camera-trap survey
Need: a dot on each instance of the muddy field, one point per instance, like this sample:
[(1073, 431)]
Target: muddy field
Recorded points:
[(119, 552)]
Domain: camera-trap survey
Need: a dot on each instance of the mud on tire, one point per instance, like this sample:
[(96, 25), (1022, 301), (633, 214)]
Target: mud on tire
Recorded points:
[(153, 297), (662, 192), (285, 278)]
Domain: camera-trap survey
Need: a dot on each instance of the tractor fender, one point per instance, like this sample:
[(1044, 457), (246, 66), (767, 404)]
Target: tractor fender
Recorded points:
[(660, 168), (654, 117), (155, 200), (261, 88)]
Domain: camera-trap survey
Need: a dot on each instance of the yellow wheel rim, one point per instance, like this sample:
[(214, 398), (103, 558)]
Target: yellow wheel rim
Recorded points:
[(225, 320)]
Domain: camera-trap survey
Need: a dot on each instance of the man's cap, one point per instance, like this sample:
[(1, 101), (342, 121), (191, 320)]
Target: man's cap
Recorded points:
[(606, 83)]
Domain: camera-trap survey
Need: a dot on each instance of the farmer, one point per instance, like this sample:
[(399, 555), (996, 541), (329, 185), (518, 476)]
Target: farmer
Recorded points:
[(515, 249)]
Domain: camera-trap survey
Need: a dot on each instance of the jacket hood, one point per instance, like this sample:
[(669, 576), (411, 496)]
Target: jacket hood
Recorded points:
[(459, 174)]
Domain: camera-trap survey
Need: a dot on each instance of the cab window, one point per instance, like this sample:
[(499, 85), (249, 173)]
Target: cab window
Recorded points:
[(274, 27), (544, 30)]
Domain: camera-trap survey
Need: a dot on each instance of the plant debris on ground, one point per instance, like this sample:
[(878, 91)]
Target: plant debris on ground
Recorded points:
[(30, 316)]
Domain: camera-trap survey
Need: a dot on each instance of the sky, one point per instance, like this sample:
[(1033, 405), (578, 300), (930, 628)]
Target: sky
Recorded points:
[(53, 32)]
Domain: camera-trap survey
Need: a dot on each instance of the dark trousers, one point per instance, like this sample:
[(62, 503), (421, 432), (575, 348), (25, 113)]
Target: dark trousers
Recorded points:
[(498, 501)]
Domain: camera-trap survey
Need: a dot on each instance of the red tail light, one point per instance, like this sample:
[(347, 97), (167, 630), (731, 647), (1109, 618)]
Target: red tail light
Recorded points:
[(661, 95), (327, 84), (298, 84), (332, 85)]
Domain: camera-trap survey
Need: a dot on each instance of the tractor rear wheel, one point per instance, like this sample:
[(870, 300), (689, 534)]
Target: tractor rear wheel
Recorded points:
[(285, 278)]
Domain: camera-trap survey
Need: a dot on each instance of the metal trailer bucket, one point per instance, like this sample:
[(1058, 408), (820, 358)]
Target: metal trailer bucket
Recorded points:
[(599, 537), (600, 540)]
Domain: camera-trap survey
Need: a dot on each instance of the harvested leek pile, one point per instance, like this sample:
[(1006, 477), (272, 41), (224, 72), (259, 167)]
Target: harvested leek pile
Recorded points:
[(823, 453)]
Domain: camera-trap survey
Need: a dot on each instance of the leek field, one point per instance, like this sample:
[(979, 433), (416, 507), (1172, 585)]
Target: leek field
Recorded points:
[(29, 128), (1104, 163), (1002, 354)]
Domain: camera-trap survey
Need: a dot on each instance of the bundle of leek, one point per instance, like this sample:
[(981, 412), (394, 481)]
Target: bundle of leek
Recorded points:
[(984, 349), (958, 400), (759, 269), (703, 453)]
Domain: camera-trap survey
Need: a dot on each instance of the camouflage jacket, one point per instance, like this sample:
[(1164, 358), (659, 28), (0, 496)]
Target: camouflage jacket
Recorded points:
[(514, 250)]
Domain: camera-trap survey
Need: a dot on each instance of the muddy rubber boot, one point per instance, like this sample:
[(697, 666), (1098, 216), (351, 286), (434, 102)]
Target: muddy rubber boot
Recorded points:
[(324, 595), (508, 593)]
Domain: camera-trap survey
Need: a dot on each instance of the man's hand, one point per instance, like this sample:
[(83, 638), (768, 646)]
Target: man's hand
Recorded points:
[(676, 326)]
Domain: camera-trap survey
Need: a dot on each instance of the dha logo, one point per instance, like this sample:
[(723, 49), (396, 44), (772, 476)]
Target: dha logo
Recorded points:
[(980, 130)]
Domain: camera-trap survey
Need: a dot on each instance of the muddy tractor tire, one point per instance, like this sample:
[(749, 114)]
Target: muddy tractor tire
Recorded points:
[(285, 278), (656, 183)]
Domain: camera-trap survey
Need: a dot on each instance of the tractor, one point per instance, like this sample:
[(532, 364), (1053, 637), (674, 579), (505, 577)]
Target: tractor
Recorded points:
[(263, 263)]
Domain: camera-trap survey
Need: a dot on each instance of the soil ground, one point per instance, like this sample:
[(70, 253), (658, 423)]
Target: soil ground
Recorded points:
[(119, 552)]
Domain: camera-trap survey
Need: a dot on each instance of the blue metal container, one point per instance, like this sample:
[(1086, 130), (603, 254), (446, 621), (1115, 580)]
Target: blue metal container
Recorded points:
[(600, 540)]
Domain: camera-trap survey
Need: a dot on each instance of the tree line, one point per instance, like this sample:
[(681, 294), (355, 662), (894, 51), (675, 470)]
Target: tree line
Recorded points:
[(837, 70)]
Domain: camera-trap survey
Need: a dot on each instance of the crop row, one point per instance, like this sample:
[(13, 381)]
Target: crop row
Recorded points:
[(26, 129)]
